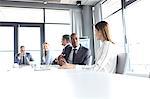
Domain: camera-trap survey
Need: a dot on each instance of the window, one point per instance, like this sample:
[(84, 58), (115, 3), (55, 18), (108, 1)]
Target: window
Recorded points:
[(110, 6), (57, 16), (137, 24), (11, 14), (6, 47), (116, 30)]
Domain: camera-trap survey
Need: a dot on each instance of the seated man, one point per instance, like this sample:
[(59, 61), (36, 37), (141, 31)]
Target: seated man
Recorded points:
[(66, 43), (77, 54), (23, 58), (47, 58)]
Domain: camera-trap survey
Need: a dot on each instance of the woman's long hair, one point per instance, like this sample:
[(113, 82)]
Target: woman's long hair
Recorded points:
[(103, 27)]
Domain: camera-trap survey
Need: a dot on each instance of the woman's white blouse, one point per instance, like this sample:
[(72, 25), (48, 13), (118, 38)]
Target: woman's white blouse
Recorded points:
[(105, 61)]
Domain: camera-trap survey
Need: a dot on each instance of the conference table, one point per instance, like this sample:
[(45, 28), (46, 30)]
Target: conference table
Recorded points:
[(53, 83)]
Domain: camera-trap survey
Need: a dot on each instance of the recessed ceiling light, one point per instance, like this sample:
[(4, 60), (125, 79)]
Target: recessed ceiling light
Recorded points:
[(45, 2), (78, 3)]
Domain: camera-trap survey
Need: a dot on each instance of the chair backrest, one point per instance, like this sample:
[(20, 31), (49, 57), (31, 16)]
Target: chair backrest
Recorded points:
[(91, 60), (121, 62)]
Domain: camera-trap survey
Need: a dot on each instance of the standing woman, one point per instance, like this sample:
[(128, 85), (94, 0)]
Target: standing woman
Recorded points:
[(106, 58)]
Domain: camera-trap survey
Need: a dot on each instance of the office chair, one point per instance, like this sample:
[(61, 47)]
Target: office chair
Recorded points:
[(91, 60), (121, 62)]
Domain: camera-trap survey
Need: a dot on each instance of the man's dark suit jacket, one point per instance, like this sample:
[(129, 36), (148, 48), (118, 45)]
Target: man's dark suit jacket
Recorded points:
[(82, 56), (63, 52)]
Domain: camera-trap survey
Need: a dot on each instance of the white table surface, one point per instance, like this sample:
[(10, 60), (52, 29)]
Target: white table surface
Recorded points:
[(71, 84)]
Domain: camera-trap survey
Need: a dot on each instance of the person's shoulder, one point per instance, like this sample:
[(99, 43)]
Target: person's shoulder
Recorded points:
[(109, 43), (68, 47), (112, 44), (49, 52), (27, 53), (17, 54), (113, 47), (84, 48)]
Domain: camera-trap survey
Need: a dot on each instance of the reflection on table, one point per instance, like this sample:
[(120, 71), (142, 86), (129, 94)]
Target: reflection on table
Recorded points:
[(32, 67)]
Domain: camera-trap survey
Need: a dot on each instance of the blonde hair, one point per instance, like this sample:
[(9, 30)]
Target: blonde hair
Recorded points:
[(104, 28), (45, 43)]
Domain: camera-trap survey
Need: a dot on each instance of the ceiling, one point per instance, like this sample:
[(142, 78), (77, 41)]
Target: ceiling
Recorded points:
[(83, 2)]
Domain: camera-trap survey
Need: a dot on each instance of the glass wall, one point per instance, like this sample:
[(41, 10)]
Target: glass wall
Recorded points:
[(137, 24), (6, 47), (110, 6)]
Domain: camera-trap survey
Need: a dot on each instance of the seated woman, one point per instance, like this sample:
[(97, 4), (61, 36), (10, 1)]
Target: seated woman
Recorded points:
[(106, 58), (47, 58)]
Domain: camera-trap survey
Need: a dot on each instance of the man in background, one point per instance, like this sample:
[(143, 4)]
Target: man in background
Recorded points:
[(66, 42), (23, 58)]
